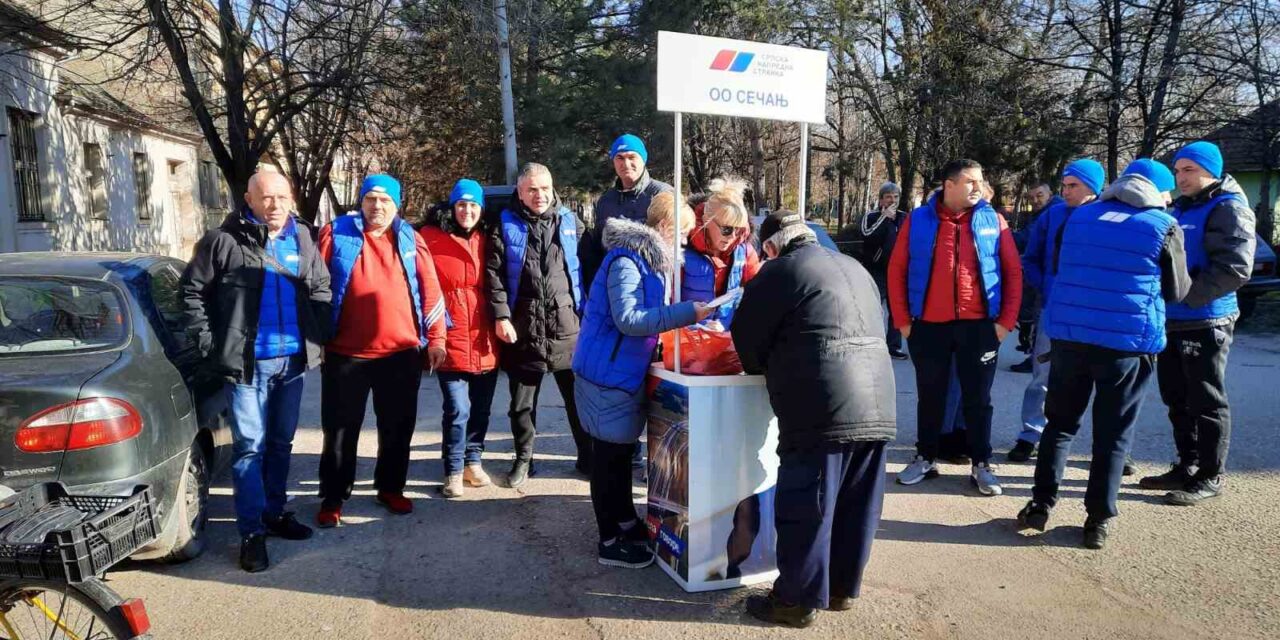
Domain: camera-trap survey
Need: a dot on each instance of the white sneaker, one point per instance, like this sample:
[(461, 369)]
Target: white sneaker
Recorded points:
[(452, 486), (985, 480), (918, 471), (473, 475)]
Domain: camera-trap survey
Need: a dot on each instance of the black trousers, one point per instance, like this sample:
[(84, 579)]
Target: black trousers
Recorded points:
[(974, 346), (1076, 372), (346, 383), (524, 387), (827, 506), (611, 487), (1192, 372)]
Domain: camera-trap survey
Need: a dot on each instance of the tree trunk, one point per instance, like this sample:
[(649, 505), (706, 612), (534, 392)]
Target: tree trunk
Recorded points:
[(1115, 99), (758, 187), (1168, 62)]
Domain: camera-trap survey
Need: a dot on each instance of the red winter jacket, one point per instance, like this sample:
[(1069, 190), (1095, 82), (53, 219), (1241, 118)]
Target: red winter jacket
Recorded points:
[(472, 344), (955, 292), (699, 241)]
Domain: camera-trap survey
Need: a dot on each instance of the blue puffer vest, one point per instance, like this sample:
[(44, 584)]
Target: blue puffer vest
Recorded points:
[(698, 282), (348, 241), (1192, 222), (515, 239), (1108, 291), (605, 356), (278, 332), (1058, 215), (985, 224)]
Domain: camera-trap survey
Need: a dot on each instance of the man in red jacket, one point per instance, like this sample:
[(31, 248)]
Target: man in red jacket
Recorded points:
[(955, 285), (388, 309)]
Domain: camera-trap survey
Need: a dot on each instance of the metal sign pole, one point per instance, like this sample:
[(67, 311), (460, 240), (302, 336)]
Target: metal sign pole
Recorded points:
[(675, 253), (804, 165)]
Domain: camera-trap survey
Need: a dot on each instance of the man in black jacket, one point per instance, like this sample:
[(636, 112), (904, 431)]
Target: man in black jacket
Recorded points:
[(811, 322), (878, 231), (535, 287), (258, 303)]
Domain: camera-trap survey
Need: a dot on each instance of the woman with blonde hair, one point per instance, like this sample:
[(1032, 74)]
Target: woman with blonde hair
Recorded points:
[(720, 256), (626, 310)]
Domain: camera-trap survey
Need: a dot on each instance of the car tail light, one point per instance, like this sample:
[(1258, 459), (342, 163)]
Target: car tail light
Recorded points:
[(135, 613), (84, 424)]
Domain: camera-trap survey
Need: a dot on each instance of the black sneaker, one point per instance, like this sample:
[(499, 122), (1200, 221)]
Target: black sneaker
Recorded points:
[(1095, 532), (1130, 468), (1022, 451), (287, 526), (1022, 367), (638, 533), (1034, 516), (520, 472), (898, 354), (1195, 492), (253, 553), (1175, 478), (626, 554), (770, 609)]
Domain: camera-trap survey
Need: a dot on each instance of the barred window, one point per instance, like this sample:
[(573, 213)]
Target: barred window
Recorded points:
[(26, 165), (142, 184), (95, 180)]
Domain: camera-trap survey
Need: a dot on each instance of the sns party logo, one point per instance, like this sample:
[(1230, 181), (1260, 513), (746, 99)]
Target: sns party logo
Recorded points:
[(732, 61)]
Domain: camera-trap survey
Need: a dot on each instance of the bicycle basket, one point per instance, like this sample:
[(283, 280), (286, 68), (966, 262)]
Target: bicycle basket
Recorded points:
[(48, 534)]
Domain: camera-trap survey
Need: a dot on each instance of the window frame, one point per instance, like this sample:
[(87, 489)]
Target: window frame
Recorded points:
[(24, 148)]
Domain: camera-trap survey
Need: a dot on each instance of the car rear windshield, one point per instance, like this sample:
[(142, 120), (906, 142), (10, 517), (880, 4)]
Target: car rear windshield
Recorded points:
[(41, 314)]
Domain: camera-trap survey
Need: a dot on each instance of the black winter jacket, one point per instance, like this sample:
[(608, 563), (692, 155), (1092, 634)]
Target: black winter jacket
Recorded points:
[(222, 293), (811, 321), (544, 316)]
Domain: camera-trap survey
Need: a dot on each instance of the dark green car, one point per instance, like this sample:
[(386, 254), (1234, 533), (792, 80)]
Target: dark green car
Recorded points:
[(100, 388)]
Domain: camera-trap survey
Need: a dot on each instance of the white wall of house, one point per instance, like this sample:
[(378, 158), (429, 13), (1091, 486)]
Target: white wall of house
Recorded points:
[(177, 215)]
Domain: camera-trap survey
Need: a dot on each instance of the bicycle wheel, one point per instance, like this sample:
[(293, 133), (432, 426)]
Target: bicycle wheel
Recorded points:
[(49, 610)]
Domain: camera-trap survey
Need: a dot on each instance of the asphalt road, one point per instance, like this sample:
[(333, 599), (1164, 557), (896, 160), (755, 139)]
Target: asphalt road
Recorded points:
[(501, 563)]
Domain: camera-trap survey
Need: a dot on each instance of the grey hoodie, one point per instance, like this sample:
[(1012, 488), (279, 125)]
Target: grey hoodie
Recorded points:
[(1229, 241)]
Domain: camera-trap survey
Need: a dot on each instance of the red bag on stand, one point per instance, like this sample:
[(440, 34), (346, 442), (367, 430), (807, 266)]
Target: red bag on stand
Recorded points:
[(703, 352)]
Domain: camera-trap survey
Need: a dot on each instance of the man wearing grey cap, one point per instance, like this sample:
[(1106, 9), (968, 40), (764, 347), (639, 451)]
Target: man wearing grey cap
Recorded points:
[(877, 232), (811, 322)]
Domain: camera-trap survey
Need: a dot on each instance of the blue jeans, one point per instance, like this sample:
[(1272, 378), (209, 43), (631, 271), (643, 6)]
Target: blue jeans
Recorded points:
[(954, 417), (1033, 420), (264, 418), (467, 399)]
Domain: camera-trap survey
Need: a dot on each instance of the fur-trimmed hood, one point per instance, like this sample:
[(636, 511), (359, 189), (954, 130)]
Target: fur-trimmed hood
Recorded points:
[(640, 238)]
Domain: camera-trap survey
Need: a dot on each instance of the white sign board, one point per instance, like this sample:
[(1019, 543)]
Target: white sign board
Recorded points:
[(718, 76)]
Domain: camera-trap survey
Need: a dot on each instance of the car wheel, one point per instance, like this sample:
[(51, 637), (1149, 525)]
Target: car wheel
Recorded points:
[(191, 508), (1247, 304)]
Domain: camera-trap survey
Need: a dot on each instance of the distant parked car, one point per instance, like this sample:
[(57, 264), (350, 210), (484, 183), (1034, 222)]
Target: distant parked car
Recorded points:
[(1264, 278), (100, 389)]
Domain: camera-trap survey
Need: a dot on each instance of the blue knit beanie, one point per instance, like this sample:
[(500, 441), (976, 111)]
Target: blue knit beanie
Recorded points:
[(467, 190), (1156, 172), (1206, 154), (1089, 172), (628, 142), (381, 183)]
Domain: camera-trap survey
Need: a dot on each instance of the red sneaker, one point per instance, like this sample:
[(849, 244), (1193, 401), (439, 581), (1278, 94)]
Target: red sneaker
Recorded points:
[(395, 502), (329, 517)]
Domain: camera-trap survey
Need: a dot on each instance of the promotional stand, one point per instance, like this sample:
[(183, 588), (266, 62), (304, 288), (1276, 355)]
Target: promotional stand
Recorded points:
[(713, 440)]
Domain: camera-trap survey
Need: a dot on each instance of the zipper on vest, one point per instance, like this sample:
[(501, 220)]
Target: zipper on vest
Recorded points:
[(955, 276), (616, 345)]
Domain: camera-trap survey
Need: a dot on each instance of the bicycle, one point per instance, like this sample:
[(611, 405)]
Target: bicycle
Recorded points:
[(54, 548)]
